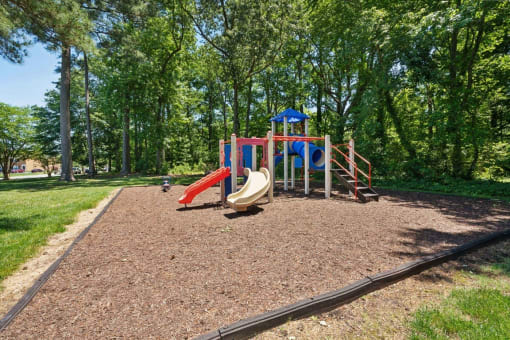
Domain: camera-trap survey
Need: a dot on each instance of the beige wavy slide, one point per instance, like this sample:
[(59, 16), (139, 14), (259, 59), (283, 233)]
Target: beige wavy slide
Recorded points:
[(256, 186)]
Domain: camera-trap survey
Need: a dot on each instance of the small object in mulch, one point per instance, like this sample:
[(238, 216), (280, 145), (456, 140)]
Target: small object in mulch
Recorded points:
[(172, 257), (292, 337), (166, 184), (323, 323)]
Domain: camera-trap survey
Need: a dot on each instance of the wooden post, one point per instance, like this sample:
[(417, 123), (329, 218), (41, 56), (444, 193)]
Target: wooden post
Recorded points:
[(292, 165), (285, 157), (253, 157), (351, 158), (222, 164), (307, 168), (273, 127), (327, 170), (233, 162), (270, 162)]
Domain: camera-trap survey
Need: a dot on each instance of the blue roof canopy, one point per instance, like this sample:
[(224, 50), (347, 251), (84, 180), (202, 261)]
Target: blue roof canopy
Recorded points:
[(292, 115)]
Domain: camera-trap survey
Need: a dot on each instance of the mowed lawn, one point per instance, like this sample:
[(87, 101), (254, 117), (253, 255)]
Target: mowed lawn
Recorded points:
[(33, 209)]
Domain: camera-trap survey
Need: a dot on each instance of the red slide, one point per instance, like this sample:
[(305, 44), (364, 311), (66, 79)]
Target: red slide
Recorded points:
[(202, 184)]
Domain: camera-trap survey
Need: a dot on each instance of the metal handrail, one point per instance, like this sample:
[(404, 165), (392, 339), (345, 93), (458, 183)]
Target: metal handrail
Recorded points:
[(369, 177), (352, 162)]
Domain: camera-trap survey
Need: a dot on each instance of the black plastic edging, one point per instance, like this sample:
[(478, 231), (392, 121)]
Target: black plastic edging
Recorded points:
[(23, 302), (248, 327)]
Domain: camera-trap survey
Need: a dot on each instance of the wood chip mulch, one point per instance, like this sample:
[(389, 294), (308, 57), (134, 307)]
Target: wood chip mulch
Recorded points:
[(151, 269)]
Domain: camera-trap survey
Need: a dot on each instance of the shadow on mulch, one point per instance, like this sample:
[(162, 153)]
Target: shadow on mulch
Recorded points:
[(495, 256), (460, 209), (468, 211), (216, 205), (252, 210)]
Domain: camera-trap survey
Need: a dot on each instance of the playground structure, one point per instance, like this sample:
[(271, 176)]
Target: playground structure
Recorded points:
[(303, 154)]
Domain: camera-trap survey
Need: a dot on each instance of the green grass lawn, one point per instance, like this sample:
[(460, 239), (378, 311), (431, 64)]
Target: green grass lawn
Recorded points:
[(33, 209), (470, 313)]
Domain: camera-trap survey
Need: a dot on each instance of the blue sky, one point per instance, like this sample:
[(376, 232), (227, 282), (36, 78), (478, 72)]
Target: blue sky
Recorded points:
[(25, 84)]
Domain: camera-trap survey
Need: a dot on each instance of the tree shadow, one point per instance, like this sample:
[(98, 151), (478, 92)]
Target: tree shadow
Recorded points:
[(484, 215), (493, 215), (492, 261), (215, 205), (11, 224)]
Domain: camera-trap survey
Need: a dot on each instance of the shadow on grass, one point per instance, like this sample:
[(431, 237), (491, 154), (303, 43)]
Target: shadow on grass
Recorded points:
[(10, 224), (53, 183)]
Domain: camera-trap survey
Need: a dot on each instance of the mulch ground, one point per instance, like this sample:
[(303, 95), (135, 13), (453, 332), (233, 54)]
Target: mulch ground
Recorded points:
[(151, 269)]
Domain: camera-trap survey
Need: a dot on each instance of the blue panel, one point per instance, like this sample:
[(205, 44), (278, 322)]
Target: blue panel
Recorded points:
[(246, 156), (227, 155)]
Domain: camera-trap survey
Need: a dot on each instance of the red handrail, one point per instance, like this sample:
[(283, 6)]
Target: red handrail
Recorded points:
[(353, 163), (295, 139), (369, 177)]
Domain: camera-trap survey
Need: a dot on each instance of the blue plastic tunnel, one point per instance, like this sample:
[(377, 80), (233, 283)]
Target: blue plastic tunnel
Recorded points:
[(317, 156)]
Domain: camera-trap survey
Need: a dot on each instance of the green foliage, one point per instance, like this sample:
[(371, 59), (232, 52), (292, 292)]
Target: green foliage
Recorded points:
[(16, 136), (421, 86)]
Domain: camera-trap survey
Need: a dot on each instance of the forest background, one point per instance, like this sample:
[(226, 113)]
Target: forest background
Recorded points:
[(151, 86)]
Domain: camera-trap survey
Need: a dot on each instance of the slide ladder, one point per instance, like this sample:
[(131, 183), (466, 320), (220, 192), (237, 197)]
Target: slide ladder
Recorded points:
[(203, 184), (350, 180)]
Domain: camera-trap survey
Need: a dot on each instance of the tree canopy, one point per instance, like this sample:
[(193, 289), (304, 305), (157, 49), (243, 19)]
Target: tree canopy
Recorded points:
[(422, 86)]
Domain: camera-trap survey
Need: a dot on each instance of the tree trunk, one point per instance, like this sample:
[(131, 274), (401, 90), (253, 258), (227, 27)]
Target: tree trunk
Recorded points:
[(65, 116), (268, 101), (92, 168), (137, 143), (248, 106), (225, 115), (5, 171), (340, 129), (236, 108), (318, 122), (126, 147), (398, 127), (210, 120), (159, 135), (454, 112)]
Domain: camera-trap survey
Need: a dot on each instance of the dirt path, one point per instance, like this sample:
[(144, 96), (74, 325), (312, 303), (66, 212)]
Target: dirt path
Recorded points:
[(151, 269)]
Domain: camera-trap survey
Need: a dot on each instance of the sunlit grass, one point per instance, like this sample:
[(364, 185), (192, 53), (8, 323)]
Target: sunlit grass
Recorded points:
[(33, 209), (470, 313)]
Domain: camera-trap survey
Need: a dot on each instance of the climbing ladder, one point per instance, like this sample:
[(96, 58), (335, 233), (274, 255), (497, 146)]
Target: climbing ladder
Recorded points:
[(349, 177)]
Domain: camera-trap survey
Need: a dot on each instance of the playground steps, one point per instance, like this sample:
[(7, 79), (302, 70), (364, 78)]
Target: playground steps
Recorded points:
[(365, 193)]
